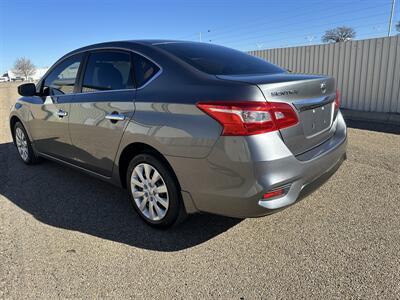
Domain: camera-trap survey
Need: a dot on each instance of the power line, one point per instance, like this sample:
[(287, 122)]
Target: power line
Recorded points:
[(232, 28), (316, 33), (262, 34), (318, 17), (222, 34), (373, 35)]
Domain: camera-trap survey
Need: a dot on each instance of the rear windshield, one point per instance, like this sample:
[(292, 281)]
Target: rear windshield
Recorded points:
[(218, 60)]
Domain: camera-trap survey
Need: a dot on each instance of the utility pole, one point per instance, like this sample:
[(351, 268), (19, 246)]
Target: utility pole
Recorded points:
[(391, 17)]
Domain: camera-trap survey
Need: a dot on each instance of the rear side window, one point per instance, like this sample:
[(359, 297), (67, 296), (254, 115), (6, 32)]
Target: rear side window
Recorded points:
[(218, 60), (108, 70), (62, 78), (144, 69)]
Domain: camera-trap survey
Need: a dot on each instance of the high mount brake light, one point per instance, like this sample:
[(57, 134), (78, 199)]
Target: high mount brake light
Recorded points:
[(250, 117)]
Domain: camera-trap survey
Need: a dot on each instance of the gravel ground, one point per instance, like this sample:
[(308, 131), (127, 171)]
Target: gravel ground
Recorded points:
[(66, 235)]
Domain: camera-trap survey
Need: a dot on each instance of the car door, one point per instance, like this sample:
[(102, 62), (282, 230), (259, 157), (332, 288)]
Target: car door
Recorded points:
[(49, 117), (102, 109)]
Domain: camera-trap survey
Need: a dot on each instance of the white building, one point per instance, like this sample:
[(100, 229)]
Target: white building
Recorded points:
[(39, 73), (36, 76)]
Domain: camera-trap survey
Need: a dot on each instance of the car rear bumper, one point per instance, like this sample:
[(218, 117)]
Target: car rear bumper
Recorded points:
[(232, 180), (301, 188)]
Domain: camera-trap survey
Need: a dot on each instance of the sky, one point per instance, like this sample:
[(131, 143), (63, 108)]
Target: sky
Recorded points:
[(44, 30)]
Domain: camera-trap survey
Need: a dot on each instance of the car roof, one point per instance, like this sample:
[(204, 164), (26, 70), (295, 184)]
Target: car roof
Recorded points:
[(155, 42), (129, 44)]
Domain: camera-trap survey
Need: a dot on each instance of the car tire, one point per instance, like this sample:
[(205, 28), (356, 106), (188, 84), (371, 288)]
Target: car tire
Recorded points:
[(24, 145), (154, 191)]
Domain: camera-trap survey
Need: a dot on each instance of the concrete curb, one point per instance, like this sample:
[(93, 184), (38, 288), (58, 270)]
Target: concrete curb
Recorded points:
[(376, 117)]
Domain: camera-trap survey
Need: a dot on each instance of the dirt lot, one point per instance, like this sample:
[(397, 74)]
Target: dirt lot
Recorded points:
[(63, 234)]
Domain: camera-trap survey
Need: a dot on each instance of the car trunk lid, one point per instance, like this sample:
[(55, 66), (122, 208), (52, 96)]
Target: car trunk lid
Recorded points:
[(311, 96)]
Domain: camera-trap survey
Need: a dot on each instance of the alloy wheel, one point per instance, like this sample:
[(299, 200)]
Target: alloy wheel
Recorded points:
[(149, 192), (22, 144)]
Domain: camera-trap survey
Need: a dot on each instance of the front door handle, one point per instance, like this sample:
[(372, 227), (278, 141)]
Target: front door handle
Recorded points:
[(115, 117), (61, 113)]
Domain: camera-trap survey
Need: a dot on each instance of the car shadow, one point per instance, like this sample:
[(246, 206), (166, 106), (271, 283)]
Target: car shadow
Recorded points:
[(63, 197)]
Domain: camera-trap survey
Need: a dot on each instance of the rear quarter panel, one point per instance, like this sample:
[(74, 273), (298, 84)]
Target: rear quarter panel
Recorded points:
[(173, 129)]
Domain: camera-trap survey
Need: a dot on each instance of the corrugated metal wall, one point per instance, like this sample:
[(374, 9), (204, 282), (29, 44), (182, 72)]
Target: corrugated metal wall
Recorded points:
[(367, 71)]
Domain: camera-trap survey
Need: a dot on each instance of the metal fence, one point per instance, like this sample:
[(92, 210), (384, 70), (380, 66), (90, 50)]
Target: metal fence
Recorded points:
[(367, 71)]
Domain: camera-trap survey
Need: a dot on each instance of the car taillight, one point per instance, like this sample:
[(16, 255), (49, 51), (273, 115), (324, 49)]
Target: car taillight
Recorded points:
[(250, 117), (337, 100)]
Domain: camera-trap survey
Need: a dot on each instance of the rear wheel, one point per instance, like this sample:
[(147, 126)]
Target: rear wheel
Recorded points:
[(154, 191), (24, 145)]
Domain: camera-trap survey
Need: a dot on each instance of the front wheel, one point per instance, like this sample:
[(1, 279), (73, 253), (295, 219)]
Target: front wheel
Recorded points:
[(154, 191), (24, 145)]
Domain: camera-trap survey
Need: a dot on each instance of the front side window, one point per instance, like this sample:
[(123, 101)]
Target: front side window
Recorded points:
[(108, 70), (62, 78)]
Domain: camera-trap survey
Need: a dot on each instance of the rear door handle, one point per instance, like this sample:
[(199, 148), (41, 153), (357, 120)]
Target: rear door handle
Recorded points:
[(61, 113), (115, 117)]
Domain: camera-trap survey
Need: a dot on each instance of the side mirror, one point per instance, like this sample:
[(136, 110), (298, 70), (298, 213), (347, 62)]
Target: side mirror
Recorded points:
[(27, 89)]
